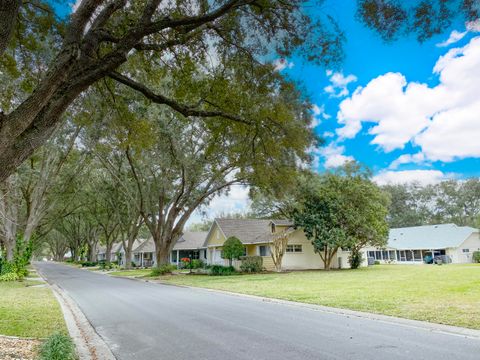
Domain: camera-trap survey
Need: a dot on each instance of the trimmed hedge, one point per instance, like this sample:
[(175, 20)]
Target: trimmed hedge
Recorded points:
[(219, 270), (163, 269), (251, 264), (476, 256)]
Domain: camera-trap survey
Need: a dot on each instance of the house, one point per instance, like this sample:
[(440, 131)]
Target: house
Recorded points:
[(451, 243), (257, 235), (189, 245), (102, 249)]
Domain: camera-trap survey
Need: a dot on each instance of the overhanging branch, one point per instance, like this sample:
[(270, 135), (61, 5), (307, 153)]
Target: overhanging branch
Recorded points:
[(184, 109)]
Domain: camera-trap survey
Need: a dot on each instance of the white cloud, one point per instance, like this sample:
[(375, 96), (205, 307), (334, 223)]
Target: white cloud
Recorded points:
[(236, 201), (473, 26), (339, 83), (282, 64), (443, 120), (318, 113), (328, 134), (453, 38), (333, 154), (417, 158), (424, 177)]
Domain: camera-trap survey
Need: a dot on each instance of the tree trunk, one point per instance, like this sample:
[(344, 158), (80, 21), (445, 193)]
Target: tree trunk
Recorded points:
[(128, 257), (92, 252), (10, 249), (8, 16), (108, 254), (162, 254)]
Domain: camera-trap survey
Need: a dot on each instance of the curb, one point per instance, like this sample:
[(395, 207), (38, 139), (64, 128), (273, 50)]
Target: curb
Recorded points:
[(417, 324), (89, 344)]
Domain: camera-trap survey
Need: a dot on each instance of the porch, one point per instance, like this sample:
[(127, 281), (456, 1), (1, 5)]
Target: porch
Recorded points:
[(406, 255)]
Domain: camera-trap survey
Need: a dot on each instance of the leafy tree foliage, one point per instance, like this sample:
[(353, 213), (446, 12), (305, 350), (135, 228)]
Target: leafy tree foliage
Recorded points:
[(232, 249), (342, 210), (423, 18), (143, 45), (452, 201)]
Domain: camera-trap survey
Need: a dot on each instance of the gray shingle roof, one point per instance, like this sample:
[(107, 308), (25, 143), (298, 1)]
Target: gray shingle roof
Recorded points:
[(188, 241), (429, 236), (191, 240), (249, 231)]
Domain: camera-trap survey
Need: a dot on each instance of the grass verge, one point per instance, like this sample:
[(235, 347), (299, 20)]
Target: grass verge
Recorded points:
[(447, 294), (29, 311)]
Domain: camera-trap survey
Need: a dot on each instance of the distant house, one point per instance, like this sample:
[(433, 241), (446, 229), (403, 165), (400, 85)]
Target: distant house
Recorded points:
[(102, 252), (189, 245), (449, 242), (257, 236)]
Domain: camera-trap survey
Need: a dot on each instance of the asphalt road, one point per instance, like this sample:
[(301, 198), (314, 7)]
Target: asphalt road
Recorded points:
[(150, 321)]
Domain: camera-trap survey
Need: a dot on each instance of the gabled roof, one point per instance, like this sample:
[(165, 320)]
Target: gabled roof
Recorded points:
[(282, 222), (191, 240), (249, 231), (429, 237), (188, 241), (115, 248)]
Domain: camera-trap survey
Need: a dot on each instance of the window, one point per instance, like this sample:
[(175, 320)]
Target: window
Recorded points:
[(264, 250), (466, 250), (294, 248), (196, 255), (371, 254)]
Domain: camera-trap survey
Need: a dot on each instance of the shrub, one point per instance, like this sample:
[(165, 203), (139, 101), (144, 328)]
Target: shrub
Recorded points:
[(232, 249), (376, 262), (11, 276), (355, 259), (476, 256), (251, 264), (58, 347), (197, 264), (163, 269), (219, 270), (88, 263)]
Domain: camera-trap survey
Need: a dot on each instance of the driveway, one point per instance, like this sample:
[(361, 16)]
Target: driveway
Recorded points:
[(140, 320)]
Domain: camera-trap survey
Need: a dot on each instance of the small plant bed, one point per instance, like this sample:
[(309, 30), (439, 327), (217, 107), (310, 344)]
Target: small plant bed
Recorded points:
[(16, 348)]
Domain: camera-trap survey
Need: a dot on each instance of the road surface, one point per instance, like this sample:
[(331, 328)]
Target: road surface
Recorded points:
[(140, 320)]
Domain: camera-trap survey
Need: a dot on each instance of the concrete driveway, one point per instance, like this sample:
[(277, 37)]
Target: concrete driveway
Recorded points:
[(141, 320)]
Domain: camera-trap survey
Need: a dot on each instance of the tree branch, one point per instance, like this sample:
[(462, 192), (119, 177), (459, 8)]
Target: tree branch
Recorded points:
[(184, 109)]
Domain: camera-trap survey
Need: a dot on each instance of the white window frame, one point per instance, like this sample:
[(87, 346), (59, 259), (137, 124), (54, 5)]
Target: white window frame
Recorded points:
[(267, 250), (292, 246)]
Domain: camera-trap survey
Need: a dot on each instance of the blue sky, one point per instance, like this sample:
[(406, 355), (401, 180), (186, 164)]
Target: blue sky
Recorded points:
[(368, 57), (409, 111)]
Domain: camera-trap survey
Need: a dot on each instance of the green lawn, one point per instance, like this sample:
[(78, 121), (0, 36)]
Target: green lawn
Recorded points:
[(132, 273), (448, 294), (28, 311)]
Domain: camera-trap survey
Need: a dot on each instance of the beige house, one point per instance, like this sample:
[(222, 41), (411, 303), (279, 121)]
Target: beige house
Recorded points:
[(257, 237), (448, 242)]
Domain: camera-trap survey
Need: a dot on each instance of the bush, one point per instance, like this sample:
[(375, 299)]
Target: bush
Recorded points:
[(163, 269), (355, 259), (376, 262), (58, 347), (88, 263), (197, 264), (476, 256), (11, 276), (251, 264), (219, 270), (232, 249)]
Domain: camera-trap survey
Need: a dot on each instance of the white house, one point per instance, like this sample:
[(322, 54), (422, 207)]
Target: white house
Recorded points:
[(449, 242)]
